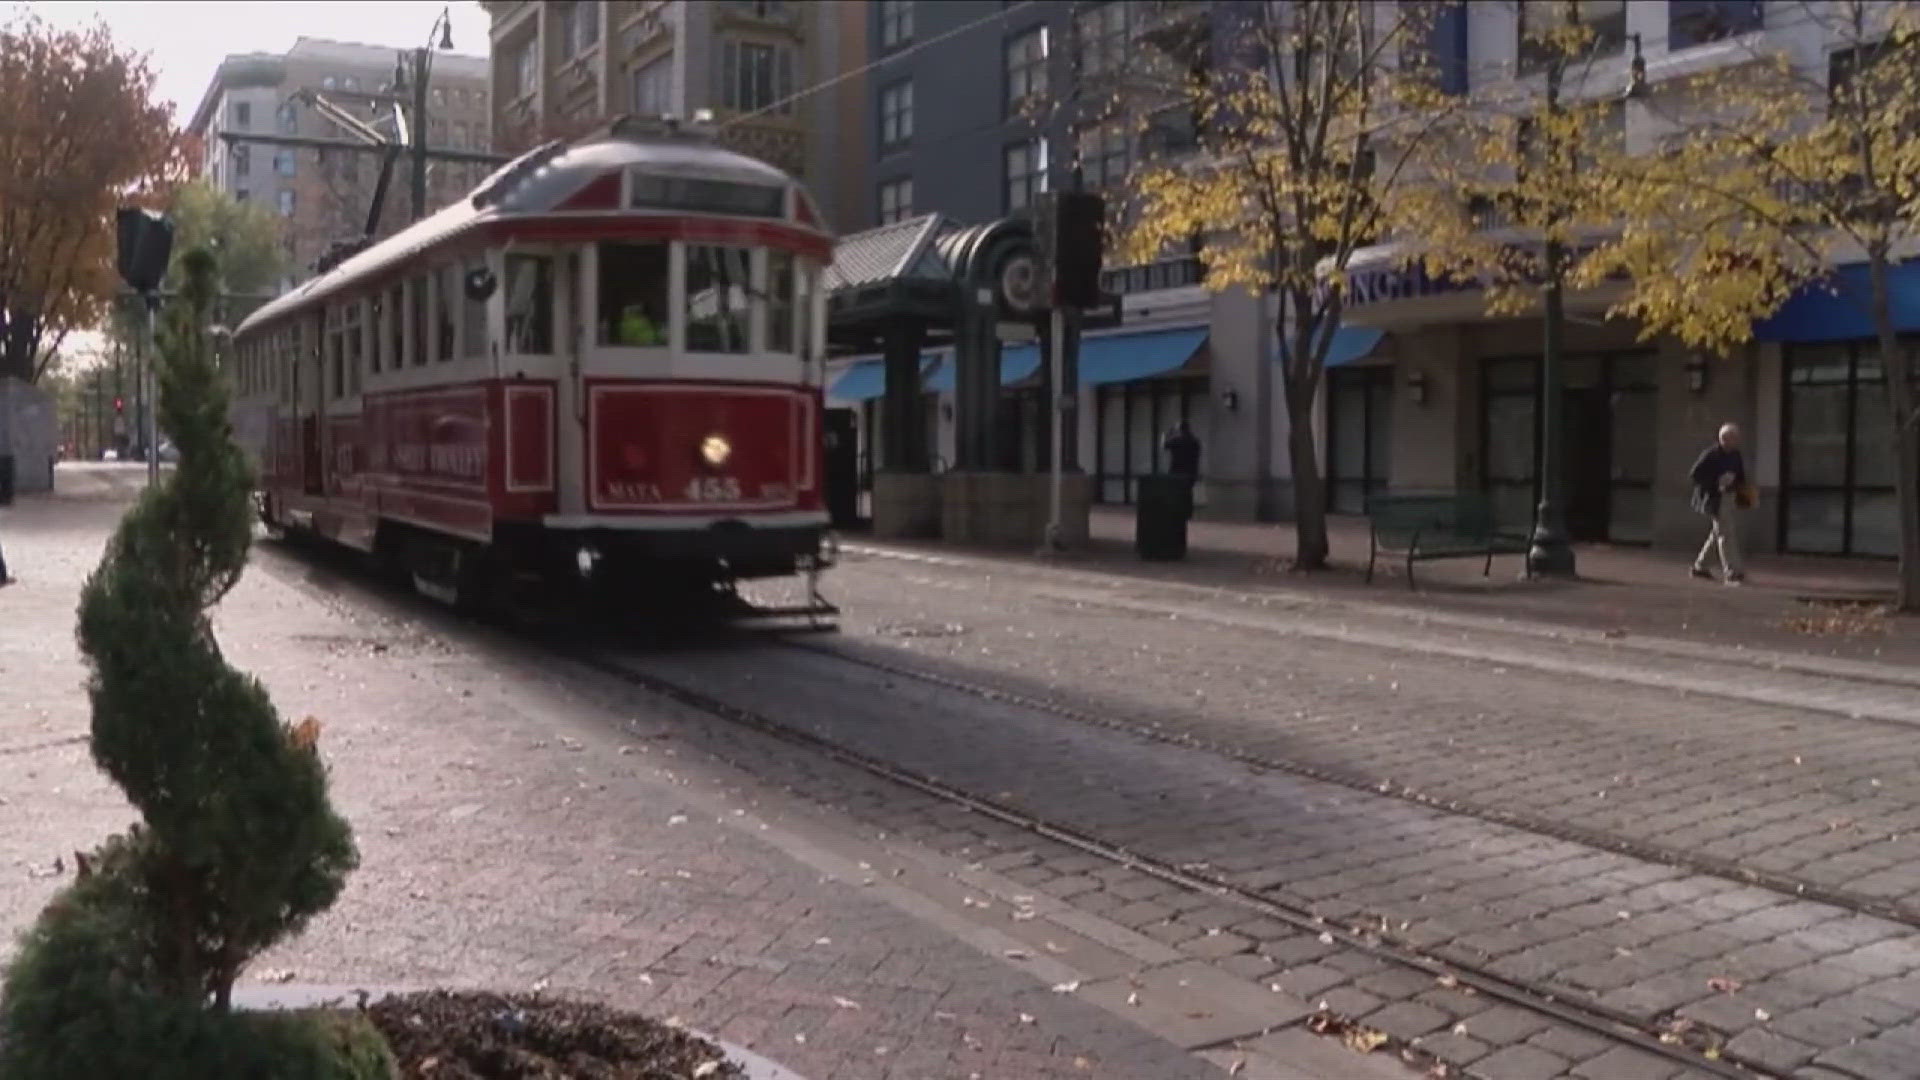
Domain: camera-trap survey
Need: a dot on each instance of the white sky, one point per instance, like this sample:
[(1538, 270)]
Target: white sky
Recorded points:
[(185, 41)]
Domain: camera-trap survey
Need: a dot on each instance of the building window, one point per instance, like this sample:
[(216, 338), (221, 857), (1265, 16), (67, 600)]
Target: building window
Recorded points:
[(1103, 33), (241, 195), (896, 115), (242, 160), (754, 78), (653, 88), (896, 23), (329, 83), (1105, 154), (286, 202), (1441, 55), (1359, 433), (526, 69), (633, 295), (289, 117), (1837, 458), (1697, 22), (1026, 173), (1607, 19), (1026, 69), (284, 163), (529, 304), (896, 200), (717, 304), (242, 115), (582, 27)]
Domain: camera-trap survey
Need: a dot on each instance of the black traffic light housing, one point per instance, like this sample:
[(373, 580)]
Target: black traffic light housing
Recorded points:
[(1079, 224), (146, 243)]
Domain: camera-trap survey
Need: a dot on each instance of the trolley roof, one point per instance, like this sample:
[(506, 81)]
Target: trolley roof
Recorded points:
[(582, 179)]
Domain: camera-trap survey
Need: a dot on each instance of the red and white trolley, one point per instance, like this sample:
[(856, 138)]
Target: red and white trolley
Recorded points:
[(604, 365)]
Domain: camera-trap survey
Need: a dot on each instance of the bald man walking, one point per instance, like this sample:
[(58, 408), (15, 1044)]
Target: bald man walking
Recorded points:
[(1719, 478)]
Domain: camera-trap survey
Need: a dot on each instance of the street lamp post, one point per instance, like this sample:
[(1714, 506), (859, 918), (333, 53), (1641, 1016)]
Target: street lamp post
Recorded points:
[(1551, 553), (422, 70)]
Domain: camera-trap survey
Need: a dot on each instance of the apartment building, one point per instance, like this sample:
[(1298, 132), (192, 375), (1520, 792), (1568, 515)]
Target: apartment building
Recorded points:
[(778, 75), (323, 196), (1424, 389)]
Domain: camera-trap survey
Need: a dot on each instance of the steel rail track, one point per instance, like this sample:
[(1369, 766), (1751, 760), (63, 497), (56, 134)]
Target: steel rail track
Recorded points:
[(1588, 1016), (1693, 862)]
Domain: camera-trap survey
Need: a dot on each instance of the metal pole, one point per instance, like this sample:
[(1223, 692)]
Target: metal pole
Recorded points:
[(1058, 354), (1550, 553), (420, 57), (151, 389)]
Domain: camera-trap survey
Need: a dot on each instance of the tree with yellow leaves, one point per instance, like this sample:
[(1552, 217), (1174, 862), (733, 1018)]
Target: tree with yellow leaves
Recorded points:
[(1534, 180), (1309, 135), (79, 133), (1781, 173)]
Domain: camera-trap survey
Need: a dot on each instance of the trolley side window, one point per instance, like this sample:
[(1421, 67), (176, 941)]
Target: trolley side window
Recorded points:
[(633, 295), (529, 304), (417, 324), (473, 316), (718, 287), (396, 326), (782, 330), (446, 290)]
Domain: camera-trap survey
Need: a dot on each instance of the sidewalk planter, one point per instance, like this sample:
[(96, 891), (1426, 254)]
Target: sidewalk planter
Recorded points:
[(503, 1023)]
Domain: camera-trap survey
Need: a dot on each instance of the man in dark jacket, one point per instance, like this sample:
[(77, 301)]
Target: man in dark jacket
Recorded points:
[(1719, 476), (1183, 458)]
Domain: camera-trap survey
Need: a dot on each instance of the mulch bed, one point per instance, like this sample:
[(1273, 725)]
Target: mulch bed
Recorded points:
[(442, 1035)]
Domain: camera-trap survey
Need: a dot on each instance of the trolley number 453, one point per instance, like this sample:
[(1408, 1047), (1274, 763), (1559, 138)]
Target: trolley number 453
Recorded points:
[(712, 489)]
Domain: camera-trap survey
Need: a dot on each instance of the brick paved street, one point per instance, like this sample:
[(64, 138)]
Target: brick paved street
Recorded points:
[(527, 821), (508, 840)]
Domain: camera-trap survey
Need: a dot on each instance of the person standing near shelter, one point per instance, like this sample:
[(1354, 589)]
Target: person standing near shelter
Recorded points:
[(1719, 488), (1183, 458)]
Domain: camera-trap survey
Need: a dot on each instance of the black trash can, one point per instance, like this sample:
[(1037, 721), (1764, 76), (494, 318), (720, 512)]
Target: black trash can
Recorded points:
[(6, 479), (1161, 509)]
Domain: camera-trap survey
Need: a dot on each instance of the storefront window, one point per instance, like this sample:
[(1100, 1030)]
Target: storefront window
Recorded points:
[(1837, 456), (1359, 434), (633, 295), (717, 301)]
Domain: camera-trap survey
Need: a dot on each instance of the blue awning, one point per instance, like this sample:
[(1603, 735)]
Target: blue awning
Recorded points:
[(867, 379), (1349, 343), (1118, 358), (1016, 363), (1838, 308)]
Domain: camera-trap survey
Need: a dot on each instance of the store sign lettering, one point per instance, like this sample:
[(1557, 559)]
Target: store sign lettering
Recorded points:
[(465, 462)]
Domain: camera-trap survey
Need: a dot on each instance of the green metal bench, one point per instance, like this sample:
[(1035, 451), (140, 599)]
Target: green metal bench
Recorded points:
[(1440, 525)]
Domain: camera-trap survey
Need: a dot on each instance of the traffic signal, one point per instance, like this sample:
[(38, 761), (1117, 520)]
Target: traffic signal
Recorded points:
[(146, 242), (119, 405), (1079, 220)]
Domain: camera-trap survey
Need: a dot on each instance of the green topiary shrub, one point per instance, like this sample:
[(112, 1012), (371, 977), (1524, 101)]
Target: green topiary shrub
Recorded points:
[(129, 971)]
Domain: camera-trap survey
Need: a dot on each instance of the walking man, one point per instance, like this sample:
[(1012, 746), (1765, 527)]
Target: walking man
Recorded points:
[(1719, 488)]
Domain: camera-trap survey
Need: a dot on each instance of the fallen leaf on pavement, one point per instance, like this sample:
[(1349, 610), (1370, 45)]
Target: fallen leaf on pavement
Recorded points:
[(1722, 984), (306, 734), (846, 1003), (1133, 998), (1026, 1018), (1363, 1040), (1066, 987), (1448, 981), (707, 1069), (276, 975), (1018, 954), (1762, 1015)]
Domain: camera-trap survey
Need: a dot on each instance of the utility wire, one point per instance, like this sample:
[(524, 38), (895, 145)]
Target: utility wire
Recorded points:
[(869, 66)]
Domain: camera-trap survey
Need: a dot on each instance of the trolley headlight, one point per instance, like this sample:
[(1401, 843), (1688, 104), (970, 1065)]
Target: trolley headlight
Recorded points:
[(715, 450)]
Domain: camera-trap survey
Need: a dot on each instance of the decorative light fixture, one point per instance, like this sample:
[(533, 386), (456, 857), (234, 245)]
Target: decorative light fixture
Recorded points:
[(1637, 88), (1697, 373), (1230, 399), (1417, 386), (715, 449)]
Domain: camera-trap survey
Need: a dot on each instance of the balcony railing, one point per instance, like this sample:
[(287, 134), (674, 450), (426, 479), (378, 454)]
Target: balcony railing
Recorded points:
[(1153, 276)]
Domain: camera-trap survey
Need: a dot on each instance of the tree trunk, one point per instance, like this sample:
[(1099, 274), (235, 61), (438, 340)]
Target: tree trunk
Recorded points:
[(17, 339), (1898, 368), (1309, 491)]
